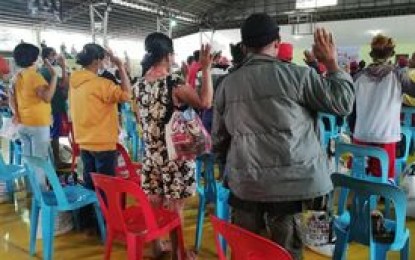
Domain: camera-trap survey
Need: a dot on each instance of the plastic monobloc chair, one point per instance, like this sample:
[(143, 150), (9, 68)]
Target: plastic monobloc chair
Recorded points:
[(68, 198), (355, 224), (136, 224), (244, 244)]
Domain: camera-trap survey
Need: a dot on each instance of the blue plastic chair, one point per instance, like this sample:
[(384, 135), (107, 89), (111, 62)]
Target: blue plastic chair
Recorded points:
[(69, 198), (408, 113), (10, 173), (15, 152), (400, 162), (355, 225), (130, 127), (210, 191), (360, 154), (328, 134)]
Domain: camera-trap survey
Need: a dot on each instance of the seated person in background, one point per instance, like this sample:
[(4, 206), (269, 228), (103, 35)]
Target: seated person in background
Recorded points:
[(379, 89)]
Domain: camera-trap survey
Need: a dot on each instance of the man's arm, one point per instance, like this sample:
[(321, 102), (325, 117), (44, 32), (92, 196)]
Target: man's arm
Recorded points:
[(220, 135), (332, 94)]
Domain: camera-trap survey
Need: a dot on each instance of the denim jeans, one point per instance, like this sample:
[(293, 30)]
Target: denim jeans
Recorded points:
[(98, 162), (35, 142)]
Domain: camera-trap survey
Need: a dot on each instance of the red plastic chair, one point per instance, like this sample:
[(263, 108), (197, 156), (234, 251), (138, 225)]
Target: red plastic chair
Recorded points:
[(137, 224), (131, 167), (76, 151), (244, 244)]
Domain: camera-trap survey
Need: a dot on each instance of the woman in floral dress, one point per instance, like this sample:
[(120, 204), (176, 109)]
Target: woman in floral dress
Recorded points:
[(166, 182)]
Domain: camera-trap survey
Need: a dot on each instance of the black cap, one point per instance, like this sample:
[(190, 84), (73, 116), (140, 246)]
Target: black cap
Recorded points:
[(259, 30)]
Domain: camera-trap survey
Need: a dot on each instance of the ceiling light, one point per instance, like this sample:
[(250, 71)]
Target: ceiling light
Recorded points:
[(374, 32), (305, 4), (173, 23)]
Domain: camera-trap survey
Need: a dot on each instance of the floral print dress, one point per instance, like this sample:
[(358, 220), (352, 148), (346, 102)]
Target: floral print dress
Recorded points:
[(160, 176)]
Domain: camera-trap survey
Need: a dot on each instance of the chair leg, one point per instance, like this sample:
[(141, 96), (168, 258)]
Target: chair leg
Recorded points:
[(101, 223), (222, 209), (34, 220), (10, 189), (405, 251), (378, 251), (340, 249), (200, 220), (180, 243), (108, 246), (48, 229), (76, 220), (135, 247)]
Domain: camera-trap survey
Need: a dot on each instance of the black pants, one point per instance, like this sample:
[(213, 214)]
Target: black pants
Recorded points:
[(95, 162), (281, 220), (98, 162)]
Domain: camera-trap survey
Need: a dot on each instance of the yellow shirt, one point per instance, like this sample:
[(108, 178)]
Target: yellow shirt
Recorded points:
[(32, 110), (93, 106)]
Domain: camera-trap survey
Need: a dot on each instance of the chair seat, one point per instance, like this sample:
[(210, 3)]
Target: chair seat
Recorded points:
[(77, 196), (343, 221), (165, 219), (13, 172)]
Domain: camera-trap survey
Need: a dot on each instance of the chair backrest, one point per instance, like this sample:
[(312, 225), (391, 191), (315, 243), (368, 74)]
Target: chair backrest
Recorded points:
[(205, 182), (407, 135), (128, 166), (244, 244), (332, 122), (408, 112), (111, 192), (124, 154), (2, 164), (359, 157), (34, 164), (360, 153), (362, 204)]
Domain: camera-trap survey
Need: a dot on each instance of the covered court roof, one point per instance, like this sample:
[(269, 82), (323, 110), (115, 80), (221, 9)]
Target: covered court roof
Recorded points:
[(137, 18)]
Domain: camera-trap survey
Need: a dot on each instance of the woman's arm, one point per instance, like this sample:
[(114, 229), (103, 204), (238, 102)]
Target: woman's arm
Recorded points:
[(186, 94), (47, 92)]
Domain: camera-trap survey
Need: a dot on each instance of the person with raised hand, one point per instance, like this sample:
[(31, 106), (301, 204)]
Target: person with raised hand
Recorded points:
[(93, 108), (159, 92), (265, 130)]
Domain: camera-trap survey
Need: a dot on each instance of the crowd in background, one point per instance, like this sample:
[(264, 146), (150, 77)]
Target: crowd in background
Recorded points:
[(260, 109)]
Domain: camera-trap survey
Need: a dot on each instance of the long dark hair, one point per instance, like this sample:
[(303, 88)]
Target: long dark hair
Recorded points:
[(89, 53), (158, 46)]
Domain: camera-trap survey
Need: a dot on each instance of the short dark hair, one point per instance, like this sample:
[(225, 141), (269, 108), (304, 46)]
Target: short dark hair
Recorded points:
[(25, 54), (196, 55), (190, 59), (46, 51), (89, 53)]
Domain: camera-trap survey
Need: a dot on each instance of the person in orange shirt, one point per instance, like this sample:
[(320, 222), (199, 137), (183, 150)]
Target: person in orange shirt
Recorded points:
[(93, 108), (30, 103)]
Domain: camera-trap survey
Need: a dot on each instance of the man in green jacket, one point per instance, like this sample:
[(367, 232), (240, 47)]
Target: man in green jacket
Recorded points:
[(265, 128)]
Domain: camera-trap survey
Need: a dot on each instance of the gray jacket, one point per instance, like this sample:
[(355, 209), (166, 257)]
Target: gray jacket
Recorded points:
[(265, 128)]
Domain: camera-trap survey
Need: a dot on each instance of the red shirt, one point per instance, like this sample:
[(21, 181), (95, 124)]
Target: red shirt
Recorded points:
[(192, 73)]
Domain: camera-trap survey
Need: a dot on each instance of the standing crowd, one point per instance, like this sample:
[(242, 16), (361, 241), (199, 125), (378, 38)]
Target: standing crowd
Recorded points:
[(261, 111)]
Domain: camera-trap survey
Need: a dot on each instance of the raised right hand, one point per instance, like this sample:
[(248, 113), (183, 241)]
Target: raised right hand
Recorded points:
[(325, 49), (206, 57)]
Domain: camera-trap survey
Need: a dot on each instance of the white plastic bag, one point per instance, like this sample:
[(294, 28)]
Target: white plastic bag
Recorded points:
[(9, 129)]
